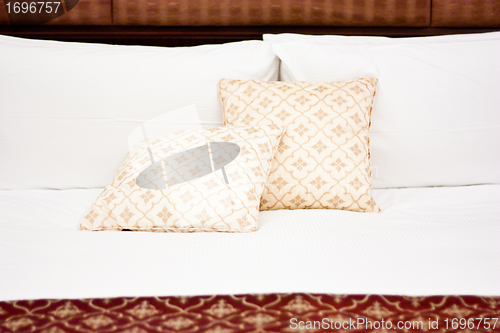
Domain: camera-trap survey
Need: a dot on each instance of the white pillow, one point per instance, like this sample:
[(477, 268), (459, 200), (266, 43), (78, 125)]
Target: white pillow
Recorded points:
[(67, 108), (436, 117), (372, 40)]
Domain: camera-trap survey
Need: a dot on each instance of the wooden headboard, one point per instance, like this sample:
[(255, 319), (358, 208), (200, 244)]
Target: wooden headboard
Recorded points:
[(194, 22)]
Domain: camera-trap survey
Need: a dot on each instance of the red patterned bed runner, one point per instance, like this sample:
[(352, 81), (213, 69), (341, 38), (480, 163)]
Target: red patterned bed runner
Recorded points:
[(255, 313)]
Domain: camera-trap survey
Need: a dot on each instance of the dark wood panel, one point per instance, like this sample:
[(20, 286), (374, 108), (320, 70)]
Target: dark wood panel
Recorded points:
[(470, 13), (356, 13), (188, 36)]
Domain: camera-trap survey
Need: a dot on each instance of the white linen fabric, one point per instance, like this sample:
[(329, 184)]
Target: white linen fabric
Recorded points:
[(377, 40), (426, 241), (67, 108), (435, 119)]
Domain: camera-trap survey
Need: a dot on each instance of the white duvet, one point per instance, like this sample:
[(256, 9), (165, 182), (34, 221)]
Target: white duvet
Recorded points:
[(427, 241)]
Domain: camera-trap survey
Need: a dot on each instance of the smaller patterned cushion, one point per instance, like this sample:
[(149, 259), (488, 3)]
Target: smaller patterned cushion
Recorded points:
[(323, 160), (203, 180)]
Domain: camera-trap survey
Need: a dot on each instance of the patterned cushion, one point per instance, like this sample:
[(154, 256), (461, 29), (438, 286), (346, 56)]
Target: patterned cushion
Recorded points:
[(323, 160), (203, 180)]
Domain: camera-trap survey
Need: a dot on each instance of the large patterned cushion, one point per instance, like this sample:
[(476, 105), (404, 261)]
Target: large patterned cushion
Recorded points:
[(203, 180), (323, 160)]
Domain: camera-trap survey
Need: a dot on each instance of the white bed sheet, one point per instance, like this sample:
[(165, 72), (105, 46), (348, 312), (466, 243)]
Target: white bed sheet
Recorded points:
[(427, 241)]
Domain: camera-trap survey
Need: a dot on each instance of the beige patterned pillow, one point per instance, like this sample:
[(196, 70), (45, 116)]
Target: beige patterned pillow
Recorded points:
[(323, 160), (179, 191)]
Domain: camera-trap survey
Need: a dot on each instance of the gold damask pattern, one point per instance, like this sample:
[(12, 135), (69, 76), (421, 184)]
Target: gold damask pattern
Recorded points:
[(206, 203), (248, 313), (323, 160)]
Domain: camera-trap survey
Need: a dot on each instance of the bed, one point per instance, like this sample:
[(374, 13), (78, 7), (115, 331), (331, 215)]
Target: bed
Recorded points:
[(429, 261)]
